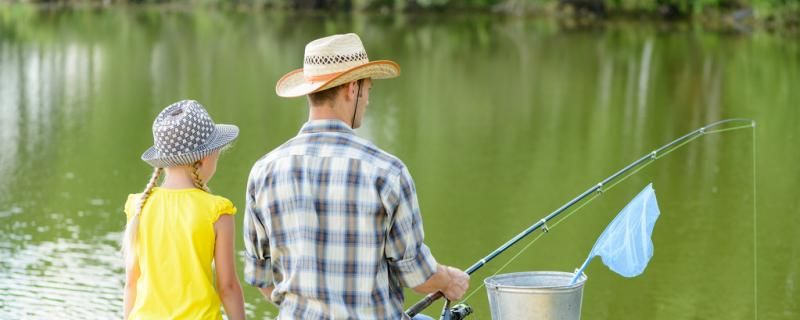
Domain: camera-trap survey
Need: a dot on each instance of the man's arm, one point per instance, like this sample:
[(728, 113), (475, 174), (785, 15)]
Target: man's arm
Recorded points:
[(257, 264), (406, 251)]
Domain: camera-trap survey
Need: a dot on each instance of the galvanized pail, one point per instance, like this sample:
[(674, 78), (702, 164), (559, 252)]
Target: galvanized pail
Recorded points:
[(537, 295)]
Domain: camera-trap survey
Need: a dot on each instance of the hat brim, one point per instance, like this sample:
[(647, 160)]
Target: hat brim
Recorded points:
[(223, 135), (294, 83)]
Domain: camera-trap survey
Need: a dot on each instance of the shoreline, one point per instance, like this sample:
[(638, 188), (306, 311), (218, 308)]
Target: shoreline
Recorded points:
[(743, 20)]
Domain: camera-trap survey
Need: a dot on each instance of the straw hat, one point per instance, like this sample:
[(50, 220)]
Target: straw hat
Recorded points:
[(184, 133), (332, 61)]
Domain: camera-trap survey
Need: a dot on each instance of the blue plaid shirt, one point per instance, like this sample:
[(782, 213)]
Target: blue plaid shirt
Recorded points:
[(333, 222)]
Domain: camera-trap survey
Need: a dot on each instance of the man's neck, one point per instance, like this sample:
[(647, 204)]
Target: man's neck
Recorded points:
[(328, 112)]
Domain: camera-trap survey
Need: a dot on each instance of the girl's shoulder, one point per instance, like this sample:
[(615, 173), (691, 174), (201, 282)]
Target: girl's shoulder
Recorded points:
[(219, 205), (130, 204)]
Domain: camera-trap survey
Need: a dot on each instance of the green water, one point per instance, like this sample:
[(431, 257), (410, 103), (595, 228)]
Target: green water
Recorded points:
[(500, 121)]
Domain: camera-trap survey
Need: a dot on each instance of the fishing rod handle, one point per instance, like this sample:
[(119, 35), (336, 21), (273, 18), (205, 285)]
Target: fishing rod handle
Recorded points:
[(424, 303)]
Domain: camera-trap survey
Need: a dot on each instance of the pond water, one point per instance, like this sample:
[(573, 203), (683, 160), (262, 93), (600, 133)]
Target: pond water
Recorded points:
[(500, 121)]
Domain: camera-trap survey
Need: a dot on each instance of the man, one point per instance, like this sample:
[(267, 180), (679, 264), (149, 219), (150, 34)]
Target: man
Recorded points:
[(332, 224)]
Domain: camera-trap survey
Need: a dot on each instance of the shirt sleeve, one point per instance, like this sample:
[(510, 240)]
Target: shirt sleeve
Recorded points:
[(409, 258), (223, 206), (257, 264)]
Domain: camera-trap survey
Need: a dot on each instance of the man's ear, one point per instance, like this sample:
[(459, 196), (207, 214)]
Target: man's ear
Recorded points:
[(352, 90)]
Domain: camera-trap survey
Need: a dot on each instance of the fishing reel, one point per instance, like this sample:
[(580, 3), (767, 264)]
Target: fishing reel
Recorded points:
[(457, 312)]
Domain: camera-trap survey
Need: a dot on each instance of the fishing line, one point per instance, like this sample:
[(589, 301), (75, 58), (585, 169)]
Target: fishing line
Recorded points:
[(654, 156), (531, 243), (732, 128), (597, 194), (755, 232)]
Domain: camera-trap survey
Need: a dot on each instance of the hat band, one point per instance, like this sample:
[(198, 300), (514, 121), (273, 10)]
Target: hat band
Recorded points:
[(322, 77)]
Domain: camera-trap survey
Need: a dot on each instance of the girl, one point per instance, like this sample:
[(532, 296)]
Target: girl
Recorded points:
[(175, 231)]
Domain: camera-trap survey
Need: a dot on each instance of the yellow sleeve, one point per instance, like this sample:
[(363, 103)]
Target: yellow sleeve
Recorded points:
[(223, 206), (130, 206)]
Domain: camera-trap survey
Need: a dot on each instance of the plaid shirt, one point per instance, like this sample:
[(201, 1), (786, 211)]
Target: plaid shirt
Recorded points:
[(333, 222)]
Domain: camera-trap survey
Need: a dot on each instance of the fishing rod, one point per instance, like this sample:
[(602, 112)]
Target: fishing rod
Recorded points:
[(461, 311)]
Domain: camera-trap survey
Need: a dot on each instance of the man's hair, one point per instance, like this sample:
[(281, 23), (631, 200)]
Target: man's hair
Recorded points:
[(320, 97)]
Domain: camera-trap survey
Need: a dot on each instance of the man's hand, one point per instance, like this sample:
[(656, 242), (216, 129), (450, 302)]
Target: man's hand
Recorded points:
[(458, 284), (267, 293), (450, 281)]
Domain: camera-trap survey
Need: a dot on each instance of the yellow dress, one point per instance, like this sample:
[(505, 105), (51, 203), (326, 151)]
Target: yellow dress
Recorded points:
[(175, 248)]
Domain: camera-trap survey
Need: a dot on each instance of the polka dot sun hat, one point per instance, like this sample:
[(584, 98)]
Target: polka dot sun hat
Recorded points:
[(184, 133)]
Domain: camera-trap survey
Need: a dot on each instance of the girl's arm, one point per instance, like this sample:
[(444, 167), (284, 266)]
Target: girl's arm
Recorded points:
[(230, 292), (131, 276)]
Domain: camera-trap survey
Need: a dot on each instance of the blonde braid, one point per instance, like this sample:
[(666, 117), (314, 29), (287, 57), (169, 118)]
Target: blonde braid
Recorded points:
[(132, 228), (149, 189), (198, 183)]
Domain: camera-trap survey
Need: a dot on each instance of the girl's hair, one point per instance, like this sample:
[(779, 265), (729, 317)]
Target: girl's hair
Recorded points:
[(132, 228), (198, 183), (129, 242)]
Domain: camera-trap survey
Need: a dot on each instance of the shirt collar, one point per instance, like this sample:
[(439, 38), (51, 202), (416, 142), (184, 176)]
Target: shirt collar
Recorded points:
[(326, 125)]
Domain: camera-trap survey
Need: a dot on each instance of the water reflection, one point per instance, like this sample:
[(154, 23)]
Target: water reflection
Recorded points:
[(9, 114), (41, 85)]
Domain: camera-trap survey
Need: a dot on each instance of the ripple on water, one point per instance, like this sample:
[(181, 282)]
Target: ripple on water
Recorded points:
[(71, 279), (11, 211)]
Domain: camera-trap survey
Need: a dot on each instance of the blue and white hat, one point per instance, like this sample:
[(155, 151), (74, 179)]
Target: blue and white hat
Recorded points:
[(184, 133)]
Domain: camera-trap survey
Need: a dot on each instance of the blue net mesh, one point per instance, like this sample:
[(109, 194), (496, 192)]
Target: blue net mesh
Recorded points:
[(626, 245)]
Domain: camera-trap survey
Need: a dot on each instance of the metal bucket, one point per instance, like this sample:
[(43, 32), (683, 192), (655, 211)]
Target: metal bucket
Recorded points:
[(537, 295)]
